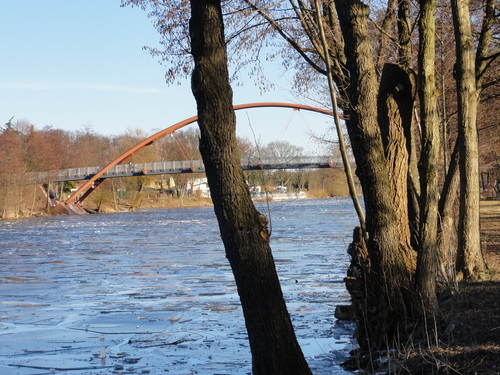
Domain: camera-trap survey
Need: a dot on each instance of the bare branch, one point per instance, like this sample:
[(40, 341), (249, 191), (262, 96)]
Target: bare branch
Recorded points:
[(285, 36)]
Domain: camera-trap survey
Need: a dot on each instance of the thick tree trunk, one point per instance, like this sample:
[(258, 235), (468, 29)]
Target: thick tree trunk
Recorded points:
[(388, 279), (469, 257), (395, 111), (274, 347), (428, 252)]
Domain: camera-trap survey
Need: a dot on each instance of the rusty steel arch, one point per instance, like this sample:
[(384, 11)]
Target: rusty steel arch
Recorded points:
[(88, 187)]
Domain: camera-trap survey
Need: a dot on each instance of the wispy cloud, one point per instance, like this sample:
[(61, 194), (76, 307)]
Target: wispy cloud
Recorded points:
[(76, 86)]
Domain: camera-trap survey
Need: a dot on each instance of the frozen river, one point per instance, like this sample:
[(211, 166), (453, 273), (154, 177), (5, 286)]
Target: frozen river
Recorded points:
[(151, 292)]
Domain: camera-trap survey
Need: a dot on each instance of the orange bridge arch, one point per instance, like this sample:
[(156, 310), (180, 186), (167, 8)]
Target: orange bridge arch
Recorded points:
[(88, 187)]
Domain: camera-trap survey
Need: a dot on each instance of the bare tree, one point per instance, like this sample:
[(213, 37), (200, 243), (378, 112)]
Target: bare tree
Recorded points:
[(469, 256), (274, 347)]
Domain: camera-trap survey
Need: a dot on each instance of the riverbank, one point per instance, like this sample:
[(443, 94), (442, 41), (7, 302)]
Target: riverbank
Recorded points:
[(183, 202), (155, 201), (119, 206), (145, 200)]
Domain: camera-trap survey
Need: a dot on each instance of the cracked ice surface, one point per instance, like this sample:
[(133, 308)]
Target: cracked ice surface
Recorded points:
[(151, 292)]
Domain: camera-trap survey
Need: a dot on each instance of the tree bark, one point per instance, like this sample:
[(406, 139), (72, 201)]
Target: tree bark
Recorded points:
[(273, 343), (395, 111), (469, 258), (428, 252), (342, 147), (447, 239), (388, 279), (404, 33), (405, 58)]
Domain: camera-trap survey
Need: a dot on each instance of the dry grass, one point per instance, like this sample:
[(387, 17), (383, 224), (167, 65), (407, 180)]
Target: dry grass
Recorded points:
[(468, 335)]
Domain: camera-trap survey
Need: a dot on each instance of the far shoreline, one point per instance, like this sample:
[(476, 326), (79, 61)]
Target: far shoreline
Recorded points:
[(145, 202)]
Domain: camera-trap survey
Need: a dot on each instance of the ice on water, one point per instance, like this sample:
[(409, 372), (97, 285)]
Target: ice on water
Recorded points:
[(152, 292)]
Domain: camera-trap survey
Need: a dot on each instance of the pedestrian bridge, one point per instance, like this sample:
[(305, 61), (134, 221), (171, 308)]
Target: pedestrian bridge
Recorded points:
[(120, 168), (189, 166)]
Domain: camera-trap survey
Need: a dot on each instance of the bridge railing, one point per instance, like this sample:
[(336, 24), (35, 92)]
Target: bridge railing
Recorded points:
[(291, 160), (121, 170), (165, 167), (186, 166)]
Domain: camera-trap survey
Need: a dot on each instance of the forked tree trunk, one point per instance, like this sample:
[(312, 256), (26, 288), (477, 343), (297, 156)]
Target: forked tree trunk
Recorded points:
[(469, 256), (388, 279), (274, 347)]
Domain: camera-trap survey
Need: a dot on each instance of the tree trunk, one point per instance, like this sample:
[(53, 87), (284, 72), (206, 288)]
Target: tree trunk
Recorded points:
[(395, 112), (342, 147), (274, 347), (469, 258), (388, 279), (447, 239), (387, 24), (404, 33), (428, 252), (405, 60)]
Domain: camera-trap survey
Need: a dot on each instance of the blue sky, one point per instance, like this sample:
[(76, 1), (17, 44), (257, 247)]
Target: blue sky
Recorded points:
[(77, 63)]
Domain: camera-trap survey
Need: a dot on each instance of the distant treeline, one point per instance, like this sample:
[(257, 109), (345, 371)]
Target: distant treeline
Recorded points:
[(25, 149)]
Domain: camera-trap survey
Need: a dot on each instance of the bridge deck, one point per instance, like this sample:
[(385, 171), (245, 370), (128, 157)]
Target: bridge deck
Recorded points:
[(177, 167)]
